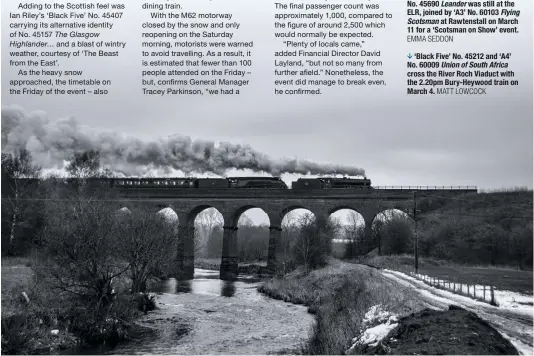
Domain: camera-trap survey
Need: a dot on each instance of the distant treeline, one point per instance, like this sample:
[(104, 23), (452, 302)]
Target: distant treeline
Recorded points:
[(492, 228)]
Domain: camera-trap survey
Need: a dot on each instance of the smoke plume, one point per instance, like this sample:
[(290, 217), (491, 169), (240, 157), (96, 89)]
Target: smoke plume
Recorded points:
[(51, 142)]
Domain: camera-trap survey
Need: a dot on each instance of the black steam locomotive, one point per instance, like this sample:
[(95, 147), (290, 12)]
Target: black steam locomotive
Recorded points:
[(331, 183)]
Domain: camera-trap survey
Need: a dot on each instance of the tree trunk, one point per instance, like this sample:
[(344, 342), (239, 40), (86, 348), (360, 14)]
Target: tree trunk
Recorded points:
[(14, 218)]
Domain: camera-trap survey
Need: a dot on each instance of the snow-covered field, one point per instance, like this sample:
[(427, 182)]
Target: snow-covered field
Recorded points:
[(505, 299), (514, 301), (512, 318)]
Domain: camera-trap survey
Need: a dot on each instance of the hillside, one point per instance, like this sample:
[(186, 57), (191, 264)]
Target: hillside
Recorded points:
[(478, 229)]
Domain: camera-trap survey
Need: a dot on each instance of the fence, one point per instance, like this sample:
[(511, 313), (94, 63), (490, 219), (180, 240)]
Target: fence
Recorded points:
[(483, 293), (426, 187)]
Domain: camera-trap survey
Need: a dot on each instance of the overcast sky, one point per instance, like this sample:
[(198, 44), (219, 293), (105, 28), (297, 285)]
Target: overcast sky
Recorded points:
[(398, 139)]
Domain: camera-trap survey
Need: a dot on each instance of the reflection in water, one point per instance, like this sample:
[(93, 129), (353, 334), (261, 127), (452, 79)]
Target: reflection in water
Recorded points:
[(183, 287), (204, 282), (228, 289), (208, 316)]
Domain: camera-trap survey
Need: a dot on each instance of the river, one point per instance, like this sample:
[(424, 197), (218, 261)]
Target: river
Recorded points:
[(209, 316)]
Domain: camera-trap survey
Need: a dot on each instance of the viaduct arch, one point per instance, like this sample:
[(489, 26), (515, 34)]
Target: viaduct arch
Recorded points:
[(276, 204)]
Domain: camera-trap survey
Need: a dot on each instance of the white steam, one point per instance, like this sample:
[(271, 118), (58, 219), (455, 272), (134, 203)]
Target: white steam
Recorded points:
[(51, 142)]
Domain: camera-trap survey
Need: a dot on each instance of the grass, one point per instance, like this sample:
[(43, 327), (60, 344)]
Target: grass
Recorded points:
[(26, 327), (16, 278), (339, 295), (213, 264), (501, 278)]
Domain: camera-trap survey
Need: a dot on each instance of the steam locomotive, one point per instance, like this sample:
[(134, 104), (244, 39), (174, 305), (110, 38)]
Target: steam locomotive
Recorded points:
[(246, 182), (331, 183), (225, 183)]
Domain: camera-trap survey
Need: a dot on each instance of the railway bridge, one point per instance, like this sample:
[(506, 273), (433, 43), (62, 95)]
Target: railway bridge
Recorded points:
[(276, 203)]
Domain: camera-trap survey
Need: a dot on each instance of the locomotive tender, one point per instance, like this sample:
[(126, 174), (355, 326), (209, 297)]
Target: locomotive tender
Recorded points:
[(331, 183)]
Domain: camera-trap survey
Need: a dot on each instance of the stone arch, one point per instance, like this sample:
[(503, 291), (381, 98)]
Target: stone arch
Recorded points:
[(360, 215), (407, 209), (124, 209), (123, 214), (396, 239), (349, 231), (348, 217), (343, 207), (194, 212), (398, 208), (242, 209), (252, 241), (169, 214), (205, 222), (291, 208), (186, 245)]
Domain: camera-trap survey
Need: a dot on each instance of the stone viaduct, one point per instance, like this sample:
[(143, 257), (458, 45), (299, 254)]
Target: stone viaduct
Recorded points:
[(276, 203)]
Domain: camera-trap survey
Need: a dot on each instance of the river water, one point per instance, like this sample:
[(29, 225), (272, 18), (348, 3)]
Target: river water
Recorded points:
[(209, 316)]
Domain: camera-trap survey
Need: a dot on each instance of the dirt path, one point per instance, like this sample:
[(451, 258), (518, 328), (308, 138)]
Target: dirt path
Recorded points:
[(516, 326)]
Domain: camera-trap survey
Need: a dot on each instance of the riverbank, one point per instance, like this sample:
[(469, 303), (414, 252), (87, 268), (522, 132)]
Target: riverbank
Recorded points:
[(342, 296), (33, 325), (251, 268), (38, 320), (209, 316)]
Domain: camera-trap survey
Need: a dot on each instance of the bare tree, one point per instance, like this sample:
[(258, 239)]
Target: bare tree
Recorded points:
[(209, 219), (289, 235), (18, 171), (82, 246), (146, 242), (393, 230), (354, 234), (313, 245), (304, 245), (84, 165), (253, 240), (208, 226)]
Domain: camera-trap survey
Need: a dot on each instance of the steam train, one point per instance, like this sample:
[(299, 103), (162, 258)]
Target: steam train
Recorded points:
[(217, 183), (331, 183), (224, 183), (245, 183)]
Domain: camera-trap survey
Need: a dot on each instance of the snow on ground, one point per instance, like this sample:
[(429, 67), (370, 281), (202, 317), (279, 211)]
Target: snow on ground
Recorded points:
[(512, 319), (481, 290), (376, 324), (523, 348), (507, 300), (514, 301)]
